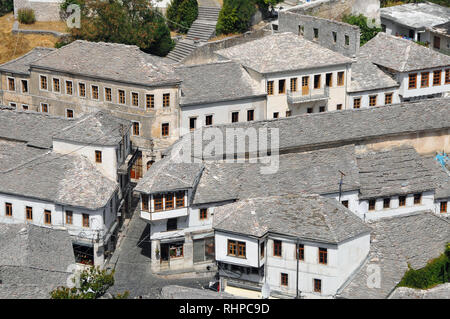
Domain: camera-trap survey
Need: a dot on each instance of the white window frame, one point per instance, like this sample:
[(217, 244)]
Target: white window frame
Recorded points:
[(15, 86), (92, 92), (74, 91), (53, 85), (231, 115), (118, 96), (210, 114), (132, 128), (40, 88), (79, 91), (28, 86), (104, 92), (73, 112), (48, 107), (131, 99), (13, 104)]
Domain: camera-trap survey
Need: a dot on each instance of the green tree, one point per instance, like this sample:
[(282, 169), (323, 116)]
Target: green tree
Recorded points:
[(235, 16), (367, 32), (181, 14), (93, 283), (6, 6), (132, 22)]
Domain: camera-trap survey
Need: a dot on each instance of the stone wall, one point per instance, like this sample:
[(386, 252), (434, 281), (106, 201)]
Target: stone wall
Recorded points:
[(291, 22), (205, 53), (43, 10)]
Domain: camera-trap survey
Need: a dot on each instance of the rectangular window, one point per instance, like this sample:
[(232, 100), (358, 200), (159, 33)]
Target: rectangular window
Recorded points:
[(386, 203), (436, 42), (69, 113), (316, 33), (288, 113), (347, 40), (309, 110), (166, 100), (357, 103), (301, 29), (417, 199), (437, 77), (317, 81), (180, 199), (284, 279), (323, 256), (232, 248), (412, 81), (11, 84), (144, 202), (317, 285), (301, 252), (402, 201), (294, 85), (69, 87), (43, 82), (250, 115), (339, 107), (372, 100), (241, 249), (203, 213), (8, 209), (208, 120), (69, 217), (122, 97), (136, 128), (372, 203), (150, 101), (165, 129), (282, 86), (135, 98), (158, 203), (85, 220), (29, 213), (322, 109), (334, 36), (234, 117), (340, 78), (24, 86), (261, 249), (108, 94), (192, 123), (98, 156), (94, 89), (56, 86), (169, 204), (447, 76), (82, 89), (424, 79), (275, 115), (388, 98), (443, 207), (47, 217), (277, 248), (44, 107), (329, 79), (269, 87), (24, 107)]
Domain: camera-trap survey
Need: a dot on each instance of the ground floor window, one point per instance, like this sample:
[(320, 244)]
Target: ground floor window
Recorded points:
[(84, 254), (317, 285), (443, 207)]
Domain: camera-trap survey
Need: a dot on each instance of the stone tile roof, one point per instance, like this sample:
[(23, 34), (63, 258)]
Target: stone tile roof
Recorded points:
[(411, 239), (402, 55), (417, 15), (165, 175), (62, 179), (393, 172), (441, 178), (21, 65), (34, 260), (438, 292), (330, 129), (309, 217), (216, 82), (36, 129), (109, 61), (180, 292), (100, 128), (367, 76), (282, 52), (312, 172)]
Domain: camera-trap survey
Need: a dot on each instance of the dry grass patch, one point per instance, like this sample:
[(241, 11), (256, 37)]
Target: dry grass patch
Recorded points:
[(13, 46), (58, 26)]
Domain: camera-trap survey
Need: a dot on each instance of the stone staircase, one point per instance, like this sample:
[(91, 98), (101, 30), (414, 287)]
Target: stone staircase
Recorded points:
[(203, 29)]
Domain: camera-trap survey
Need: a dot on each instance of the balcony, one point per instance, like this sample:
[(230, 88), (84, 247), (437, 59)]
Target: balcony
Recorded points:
[(164, 214), (307, 95)]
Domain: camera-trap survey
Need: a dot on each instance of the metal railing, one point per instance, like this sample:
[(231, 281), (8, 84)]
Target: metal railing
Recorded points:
[(312, 95)]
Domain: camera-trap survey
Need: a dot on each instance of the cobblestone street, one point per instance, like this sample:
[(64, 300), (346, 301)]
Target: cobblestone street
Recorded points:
[(132, 260)]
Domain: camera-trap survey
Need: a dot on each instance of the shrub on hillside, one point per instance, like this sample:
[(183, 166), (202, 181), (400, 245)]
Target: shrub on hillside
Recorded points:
[(235, 16), (360, 20), (26, 16), (181, 14), (6, 6)]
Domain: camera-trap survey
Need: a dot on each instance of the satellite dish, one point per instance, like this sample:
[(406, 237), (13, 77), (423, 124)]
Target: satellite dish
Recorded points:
[(265, 291)]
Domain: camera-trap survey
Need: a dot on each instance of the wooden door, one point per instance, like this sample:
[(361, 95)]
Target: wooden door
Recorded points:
[(305, 85)]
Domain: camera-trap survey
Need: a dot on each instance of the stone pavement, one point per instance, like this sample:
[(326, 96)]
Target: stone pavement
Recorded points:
[(132, 264)]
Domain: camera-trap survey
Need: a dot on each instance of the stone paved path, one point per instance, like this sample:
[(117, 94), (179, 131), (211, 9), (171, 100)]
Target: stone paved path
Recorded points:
[(132, 265)]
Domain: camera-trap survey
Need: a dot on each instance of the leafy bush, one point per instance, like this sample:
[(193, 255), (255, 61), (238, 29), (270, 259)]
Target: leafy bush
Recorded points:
[(434, 273), (131, 22), (26, 16), (182, 13), (235, 16), (6, 6), (367, 33)]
